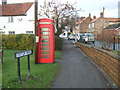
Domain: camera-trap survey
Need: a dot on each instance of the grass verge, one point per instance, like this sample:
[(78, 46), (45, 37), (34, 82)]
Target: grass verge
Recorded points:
[(116, 52), (42, 75)]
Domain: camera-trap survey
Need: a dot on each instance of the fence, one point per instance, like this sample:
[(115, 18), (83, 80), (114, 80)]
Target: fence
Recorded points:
[(109, 39)]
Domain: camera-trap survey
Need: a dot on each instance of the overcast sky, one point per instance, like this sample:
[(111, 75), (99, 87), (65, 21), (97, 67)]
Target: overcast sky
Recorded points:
[(88, 6)]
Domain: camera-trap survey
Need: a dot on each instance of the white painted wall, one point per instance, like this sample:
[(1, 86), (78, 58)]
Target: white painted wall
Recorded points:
[(20, 27)]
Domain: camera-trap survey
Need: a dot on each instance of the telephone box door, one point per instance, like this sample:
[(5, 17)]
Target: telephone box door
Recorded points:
[(46, 41)]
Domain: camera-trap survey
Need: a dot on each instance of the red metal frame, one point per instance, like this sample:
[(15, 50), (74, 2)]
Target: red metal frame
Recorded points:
[(46, 37)]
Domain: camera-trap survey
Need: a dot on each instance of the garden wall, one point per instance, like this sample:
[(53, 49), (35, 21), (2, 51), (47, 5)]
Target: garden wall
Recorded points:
[(107, 61)]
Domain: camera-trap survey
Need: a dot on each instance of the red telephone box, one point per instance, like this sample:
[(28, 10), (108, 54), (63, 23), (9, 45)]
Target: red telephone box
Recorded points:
[(45, 41)]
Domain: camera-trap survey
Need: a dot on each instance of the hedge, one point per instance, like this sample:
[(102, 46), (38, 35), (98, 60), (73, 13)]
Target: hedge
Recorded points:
[(24, 42), (19, 41), (58, 43)]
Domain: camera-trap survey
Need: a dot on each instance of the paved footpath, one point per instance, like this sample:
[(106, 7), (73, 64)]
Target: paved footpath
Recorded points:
[(77, 71)]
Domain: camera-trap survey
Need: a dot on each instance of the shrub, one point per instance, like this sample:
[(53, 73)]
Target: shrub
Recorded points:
[(19, 41), (24, 42), (58, 43)]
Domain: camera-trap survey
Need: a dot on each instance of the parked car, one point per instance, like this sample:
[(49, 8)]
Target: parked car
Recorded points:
[(71, 37), (88, 37), (79, 37)]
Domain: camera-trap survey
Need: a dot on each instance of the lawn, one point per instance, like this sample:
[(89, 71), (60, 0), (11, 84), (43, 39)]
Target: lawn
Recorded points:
[(42, 75), (0, 75)]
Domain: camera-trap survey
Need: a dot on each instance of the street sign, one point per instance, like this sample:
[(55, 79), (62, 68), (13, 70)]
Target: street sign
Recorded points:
[(23, 53)]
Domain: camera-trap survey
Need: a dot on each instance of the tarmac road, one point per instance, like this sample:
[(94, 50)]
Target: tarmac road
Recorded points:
[(77, 71)]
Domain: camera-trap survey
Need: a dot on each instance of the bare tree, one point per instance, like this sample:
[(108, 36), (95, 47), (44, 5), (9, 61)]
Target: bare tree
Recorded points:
[(57, 11)]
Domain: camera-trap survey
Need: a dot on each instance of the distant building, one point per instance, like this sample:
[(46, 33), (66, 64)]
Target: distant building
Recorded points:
[(17, 18), (83, 24), (98, 24)]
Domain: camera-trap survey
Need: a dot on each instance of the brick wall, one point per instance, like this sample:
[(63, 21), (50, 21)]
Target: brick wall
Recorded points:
[(107, 61)]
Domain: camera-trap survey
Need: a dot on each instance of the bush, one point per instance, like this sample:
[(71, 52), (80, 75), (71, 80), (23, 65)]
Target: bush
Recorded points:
[(19, 41), (58, 43), (24, 42)]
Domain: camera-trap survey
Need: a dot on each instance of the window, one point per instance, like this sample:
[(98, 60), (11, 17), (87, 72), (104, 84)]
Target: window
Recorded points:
[(11, 32), (44, 29), (89, 25), (10, 19), (1, 32), (93, 24), (29, 32)]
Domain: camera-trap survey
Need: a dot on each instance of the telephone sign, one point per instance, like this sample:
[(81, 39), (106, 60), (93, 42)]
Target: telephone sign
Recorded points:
[(45, 41)]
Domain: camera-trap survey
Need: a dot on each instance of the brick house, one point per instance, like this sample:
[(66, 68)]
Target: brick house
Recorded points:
[(98, 24), (83, 24)]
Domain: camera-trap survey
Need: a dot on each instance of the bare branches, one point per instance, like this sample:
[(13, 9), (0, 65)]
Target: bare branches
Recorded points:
[(57, 10)]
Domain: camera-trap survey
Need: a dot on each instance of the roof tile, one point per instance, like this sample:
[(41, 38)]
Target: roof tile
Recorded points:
[(80, 21), (113, 19), (14, 9)]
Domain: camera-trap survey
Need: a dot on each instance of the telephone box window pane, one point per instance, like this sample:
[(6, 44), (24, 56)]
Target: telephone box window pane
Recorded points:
[(44, 29), (44, 52), (45, 45), (45, 37), (44, 56), (46, 41), (45, 33), (44, 48), (45, 22)]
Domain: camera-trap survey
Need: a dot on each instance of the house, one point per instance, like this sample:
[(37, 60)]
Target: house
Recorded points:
[(75, 29), (83, 24), (98, 24), (17, 18)]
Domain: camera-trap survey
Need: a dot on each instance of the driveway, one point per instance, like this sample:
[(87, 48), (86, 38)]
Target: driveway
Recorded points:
[(77, 71)]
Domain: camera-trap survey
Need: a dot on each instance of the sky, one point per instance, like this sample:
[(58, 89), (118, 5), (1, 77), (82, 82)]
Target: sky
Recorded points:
[(87, 6)]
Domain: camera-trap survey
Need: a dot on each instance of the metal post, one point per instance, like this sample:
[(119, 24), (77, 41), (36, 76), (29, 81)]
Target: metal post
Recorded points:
[(114, 42), (36, 28), (28, 65), (19, 76)]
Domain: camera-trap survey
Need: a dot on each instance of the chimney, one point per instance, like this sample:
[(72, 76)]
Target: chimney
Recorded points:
[(94, 17), (89, 15), (101, 15), (82, 18), (4, 2)]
